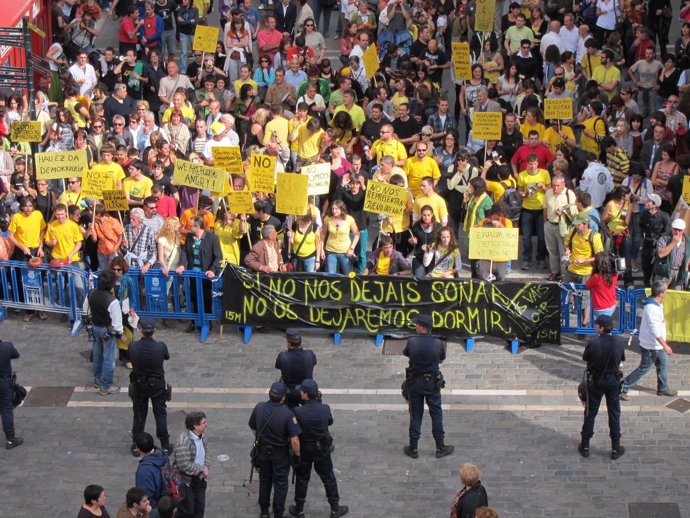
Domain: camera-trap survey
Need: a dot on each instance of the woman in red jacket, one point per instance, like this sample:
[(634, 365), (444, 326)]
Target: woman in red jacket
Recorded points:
[(602, 285)]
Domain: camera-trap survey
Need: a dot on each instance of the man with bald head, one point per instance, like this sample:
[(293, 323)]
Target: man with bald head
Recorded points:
[(434, 61)]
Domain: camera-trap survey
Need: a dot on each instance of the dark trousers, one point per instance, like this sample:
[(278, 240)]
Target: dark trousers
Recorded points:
[(529, 220), (323, 465), (195, 499), (420, 392), (610, 387), (207, 292), (140, 408), (646, 258), (274, 470), (6, 410)]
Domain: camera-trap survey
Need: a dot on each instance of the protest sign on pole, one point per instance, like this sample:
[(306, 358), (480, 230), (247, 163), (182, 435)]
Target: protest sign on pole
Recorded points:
[(228, 158), (487, 125), (22, 131), (370, 59), (115, 200), (561, 109), (494, 244), (199, 176), (94, 182), (461, 60), (484, 16), (385, 198), (291, 194), (65, 164), (205, 39), (262, 170), (319, 178), (240, 202)]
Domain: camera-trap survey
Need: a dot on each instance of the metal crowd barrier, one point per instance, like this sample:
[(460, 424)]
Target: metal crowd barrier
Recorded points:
[(62, 290)]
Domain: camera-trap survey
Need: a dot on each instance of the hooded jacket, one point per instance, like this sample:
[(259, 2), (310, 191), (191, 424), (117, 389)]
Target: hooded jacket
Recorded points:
[(148, 475)]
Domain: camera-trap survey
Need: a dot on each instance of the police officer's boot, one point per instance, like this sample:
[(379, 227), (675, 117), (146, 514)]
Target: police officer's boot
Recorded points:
[(443, 450), (339, 510), (583, 447), (296, 510), (13, 441), (411, 450), (616, 450)]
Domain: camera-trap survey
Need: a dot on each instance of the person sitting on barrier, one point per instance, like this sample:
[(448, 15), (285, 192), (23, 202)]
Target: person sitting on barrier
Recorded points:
[(304, 242), (201, 253), (204, 212), (139, 242), (27, 232), (444, 259), (496, 270), (424, 233), (602, 285), (337, 247), (386, 260), (65, 238), (107, 232), (265, 255)]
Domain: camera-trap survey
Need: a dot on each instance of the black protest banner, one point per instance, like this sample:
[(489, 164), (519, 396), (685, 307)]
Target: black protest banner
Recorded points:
[(388, 304)]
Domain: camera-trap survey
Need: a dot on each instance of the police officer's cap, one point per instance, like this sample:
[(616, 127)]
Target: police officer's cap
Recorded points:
[(293, 336), (278, 389), (309, 386), (424, 321), (147, 324), (605, 321)]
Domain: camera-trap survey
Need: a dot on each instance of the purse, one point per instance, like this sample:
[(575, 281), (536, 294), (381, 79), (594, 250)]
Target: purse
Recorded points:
[(18, 392)]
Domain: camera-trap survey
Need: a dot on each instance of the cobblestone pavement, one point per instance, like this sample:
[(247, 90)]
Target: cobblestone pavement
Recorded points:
[(517, 417)]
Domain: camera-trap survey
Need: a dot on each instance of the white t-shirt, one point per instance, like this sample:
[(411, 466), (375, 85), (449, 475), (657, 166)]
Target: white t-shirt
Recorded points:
[(608, 19)]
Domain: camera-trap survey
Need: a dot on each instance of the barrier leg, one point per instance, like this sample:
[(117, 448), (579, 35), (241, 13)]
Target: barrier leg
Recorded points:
[(336, 338), (247, 334), (469, 345), (379, 340), (514, 346), (2, 313), (204, 332)]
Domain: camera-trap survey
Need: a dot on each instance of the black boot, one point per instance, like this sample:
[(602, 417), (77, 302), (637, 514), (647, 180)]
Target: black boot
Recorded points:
[(13, 442), (297, 511), (583, 448), (339, 510), (190, 328), (411, 450), (442, 450), (616, 450)]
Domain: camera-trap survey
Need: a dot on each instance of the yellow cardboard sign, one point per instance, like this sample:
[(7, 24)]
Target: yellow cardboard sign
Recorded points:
[(199, 176), (240, 202), (319, 178), (291, 194), (93, 183), (64, 164), (26, 131), (561, 109), (686, 189), (461, 60), (262, 170), (385, 198), (484, 16), (487, 125), (370, 59), (115, 200), (205, 39), (228, 158), (36, 29), (494, 244)]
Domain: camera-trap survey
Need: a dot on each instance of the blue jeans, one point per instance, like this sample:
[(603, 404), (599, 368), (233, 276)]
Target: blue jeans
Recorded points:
[(307, 265), (104, 347), (169, 42), (318, 10), (420, 392), (186, 41), (6, 411), (608, 312), (529, 220), (333, 260), (648, 358)]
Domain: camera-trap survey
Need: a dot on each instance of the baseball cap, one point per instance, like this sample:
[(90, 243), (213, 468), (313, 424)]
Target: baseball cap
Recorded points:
[(147, 324), (309, 386), (655, 199), (424, 321), (678, 224), (279, 389), (581, 218), (605, 321)]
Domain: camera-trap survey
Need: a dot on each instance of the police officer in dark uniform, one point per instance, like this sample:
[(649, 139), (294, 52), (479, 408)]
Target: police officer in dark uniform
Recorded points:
[(7, 354), (276, 427), (295, 364), (147, 381), (314, 418), (425, 383), (603, 355)]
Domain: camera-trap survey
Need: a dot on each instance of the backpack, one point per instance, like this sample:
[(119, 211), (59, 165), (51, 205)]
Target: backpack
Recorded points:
[(604, 232), (171, 482), (591, 241), (514, 202)]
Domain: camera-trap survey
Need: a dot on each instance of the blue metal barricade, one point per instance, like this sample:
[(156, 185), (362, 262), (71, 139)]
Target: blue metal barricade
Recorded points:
[(575, 297)]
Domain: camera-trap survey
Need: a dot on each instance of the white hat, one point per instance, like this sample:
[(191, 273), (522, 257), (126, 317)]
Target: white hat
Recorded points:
[(678, 224)]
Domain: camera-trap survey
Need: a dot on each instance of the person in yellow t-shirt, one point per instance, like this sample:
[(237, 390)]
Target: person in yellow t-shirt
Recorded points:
[(532, 183), (308, 136), (356, 112), (230, 229), (281, 125), (111, 169), (387, 145), (72, 196), (27, 230), (419, 167), (64, 236), (556, 134), (432, 199), (582, 244), (386, 260), (505, 181), (594, 129), (137, 187), (496, 217), (533, 121), (204, 211), (591, 60), (607, 74)]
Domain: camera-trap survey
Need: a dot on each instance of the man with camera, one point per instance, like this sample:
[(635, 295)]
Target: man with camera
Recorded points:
[(603, 355), (147, 381)]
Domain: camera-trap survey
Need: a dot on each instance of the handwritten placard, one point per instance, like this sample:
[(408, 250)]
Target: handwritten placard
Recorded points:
[(240, 202), (115, 200), (228, 158), (22, 131), (385, 198), (262, 170), (64, 164), (461, 60), (319, 178), (487, 125), (686, 189), (93, 183), (291, 194), (370, 58), (561, 109), (494, 244), (484, 16), (205, 38), (198, 176)]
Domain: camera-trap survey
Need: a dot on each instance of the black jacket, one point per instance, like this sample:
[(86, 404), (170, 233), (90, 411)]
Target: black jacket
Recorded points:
[(209, 253), (286, 22), (7, 354)]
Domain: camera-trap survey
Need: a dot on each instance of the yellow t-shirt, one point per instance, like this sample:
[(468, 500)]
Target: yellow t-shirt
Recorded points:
[(526, 127), (605, 75), (72, 198), (617, 223), (306, 248), (113, 170), (497, 189), (417, 169), (383, 265), (595, 125), (396, 101), (554, 138), (395, 149), (536, 200), (188, 114), (137, 189), (590, 63), (27, 229), (436, 202), (338, 241), (238, 84), (356, 113), (229, 236), (282, 128), (582, 249), (307, 142), (67, 235)]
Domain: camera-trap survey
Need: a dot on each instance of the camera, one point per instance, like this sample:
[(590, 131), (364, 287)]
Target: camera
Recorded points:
[(531, 189)]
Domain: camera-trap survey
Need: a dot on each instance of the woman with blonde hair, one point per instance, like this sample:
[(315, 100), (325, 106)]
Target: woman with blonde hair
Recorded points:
[(471, 496), (256, 130), (230, 229), (168, 243)]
